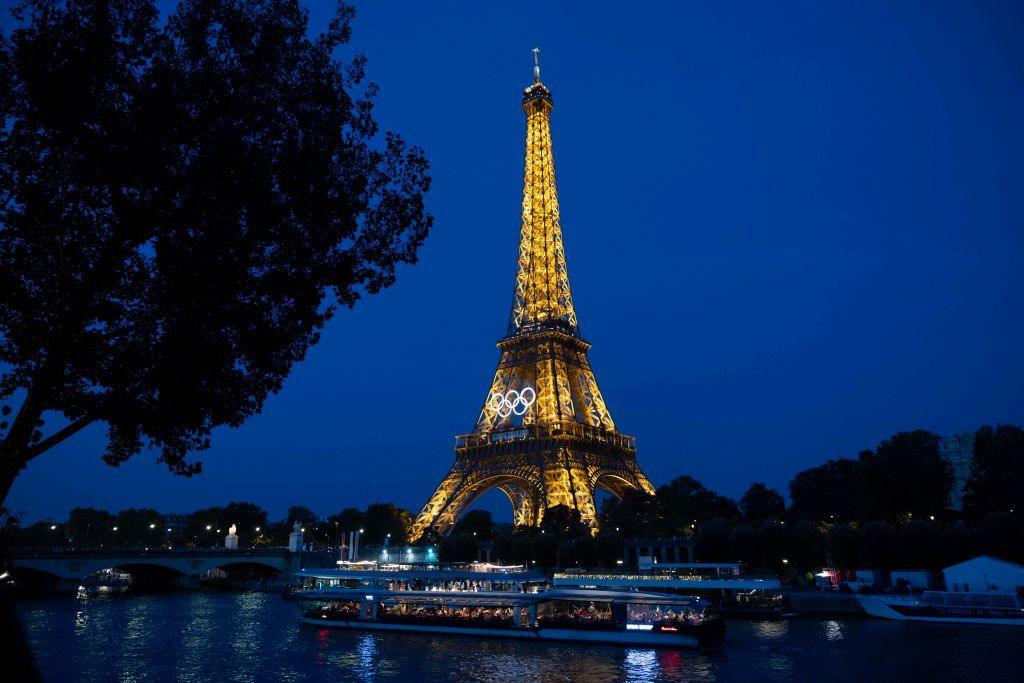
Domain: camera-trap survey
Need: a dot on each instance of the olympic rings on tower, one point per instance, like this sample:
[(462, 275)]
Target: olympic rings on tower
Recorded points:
[(517, 402)]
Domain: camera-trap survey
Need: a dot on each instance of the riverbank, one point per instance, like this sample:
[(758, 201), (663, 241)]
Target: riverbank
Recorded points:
[(820, 603)]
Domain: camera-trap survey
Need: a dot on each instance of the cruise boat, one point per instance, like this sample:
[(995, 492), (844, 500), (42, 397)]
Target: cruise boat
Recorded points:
[(735, 593), (943, 606), (598, 616)]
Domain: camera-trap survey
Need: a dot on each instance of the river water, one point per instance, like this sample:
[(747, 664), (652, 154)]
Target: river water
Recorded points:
[(215, 636)]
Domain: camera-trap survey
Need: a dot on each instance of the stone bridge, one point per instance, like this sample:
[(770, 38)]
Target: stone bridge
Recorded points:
[(75, 565)]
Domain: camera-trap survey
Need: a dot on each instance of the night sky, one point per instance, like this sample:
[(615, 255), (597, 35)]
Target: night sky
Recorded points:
[(792, 230)]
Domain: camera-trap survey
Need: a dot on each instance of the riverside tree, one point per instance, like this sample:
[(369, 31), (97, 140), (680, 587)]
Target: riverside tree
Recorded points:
[(184, 203)]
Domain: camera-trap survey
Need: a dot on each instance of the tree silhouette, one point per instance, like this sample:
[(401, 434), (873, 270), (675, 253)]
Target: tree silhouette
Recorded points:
[(183, 206), (829, 492), (905, 476), (761, 502), (997, 473)]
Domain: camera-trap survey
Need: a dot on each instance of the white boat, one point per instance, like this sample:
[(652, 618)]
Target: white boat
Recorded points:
[(599, 616), (950, 607)]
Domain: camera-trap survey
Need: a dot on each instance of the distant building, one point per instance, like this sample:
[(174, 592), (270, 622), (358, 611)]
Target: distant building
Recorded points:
[(664, 550), (175, 524), (958, 450)]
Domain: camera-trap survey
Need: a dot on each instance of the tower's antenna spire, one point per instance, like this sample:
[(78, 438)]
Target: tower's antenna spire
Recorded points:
[(536, 65)]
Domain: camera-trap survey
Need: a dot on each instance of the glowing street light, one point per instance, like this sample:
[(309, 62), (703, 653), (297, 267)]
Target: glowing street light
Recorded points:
[(152, 526), (208, 527), (53, 527), (115, 528), (257, 529)]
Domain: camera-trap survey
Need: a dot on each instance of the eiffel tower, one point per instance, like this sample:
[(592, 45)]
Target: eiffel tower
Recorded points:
[(544, 435)]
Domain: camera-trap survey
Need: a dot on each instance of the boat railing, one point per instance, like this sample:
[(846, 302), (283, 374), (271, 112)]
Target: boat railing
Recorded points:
[(577, 622), (954, 599), (445, 620)]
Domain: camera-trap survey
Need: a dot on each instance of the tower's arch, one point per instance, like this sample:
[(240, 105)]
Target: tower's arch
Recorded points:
[(522, 492)]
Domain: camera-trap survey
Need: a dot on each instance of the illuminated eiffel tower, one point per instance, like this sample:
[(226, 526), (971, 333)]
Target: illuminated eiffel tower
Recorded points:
[(544, 436)]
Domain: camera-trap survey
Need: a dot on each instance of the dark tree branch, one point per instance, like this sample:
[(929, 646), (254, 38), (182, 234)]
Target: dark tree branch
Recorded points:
[(58, 436)]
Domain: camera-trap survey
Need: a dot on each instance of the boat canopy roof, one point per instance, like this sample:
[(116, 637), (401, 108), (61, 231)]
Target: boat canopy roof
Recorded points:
[(588, 595), (500, 598), (407, 574)]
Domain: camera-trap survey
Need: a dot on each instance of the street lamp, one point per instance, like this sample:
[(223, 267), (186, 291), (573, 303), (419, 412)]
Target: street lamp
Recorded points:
[(53, 527), (152, 526), (115, 528), (208, 527), (257, 529)]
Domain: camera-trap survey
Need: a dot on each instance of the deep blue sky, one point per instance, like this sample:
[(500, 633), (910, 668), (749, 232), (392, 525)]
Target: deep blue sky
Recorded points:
[(792, 230)]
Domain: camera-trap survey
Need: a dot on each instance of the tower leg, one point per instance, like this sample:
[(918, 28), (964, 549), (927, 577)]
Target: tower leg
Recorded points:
[(437, 506)]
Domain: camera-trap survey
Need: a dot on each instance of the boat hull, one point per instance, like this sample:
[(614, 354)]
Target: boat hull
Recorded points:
[(648, 638), (911, 610)]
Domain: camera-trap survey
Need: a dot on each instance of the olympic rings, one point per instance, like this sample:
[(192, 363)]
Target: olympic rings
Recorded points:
[(517, 402)]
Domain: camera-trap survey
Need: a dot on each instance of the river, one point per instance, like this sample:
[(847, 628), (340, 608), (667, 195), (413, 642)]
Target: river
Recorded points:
[(219, 636)]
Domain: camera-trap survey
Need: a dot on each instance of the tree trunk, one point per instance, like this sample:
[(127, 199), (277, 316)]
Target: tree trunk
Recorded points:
[(9, 470), (14, 448)]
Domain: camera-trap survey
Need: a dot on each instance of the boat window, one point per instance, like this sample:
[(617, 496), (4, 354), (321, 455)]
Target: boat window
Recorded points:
[(333, 610), (647, 617), (575, 614), (477, 616)]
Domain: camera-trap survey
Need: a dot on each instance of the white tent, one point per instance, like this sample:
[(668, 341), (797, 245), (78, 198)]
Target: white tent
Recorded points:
[(984, 574)]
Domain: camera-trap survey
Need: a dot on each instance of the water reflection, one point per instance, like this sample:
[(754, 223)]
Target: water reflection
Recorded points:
[(833, 630), (772, 630), (250, 637), (367, 649), (641, 665)]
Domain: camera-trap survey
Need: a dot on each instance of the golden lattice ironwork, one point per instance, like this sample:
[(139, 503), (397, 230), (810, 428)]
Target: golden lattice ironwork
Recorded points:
[(544, 435)]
